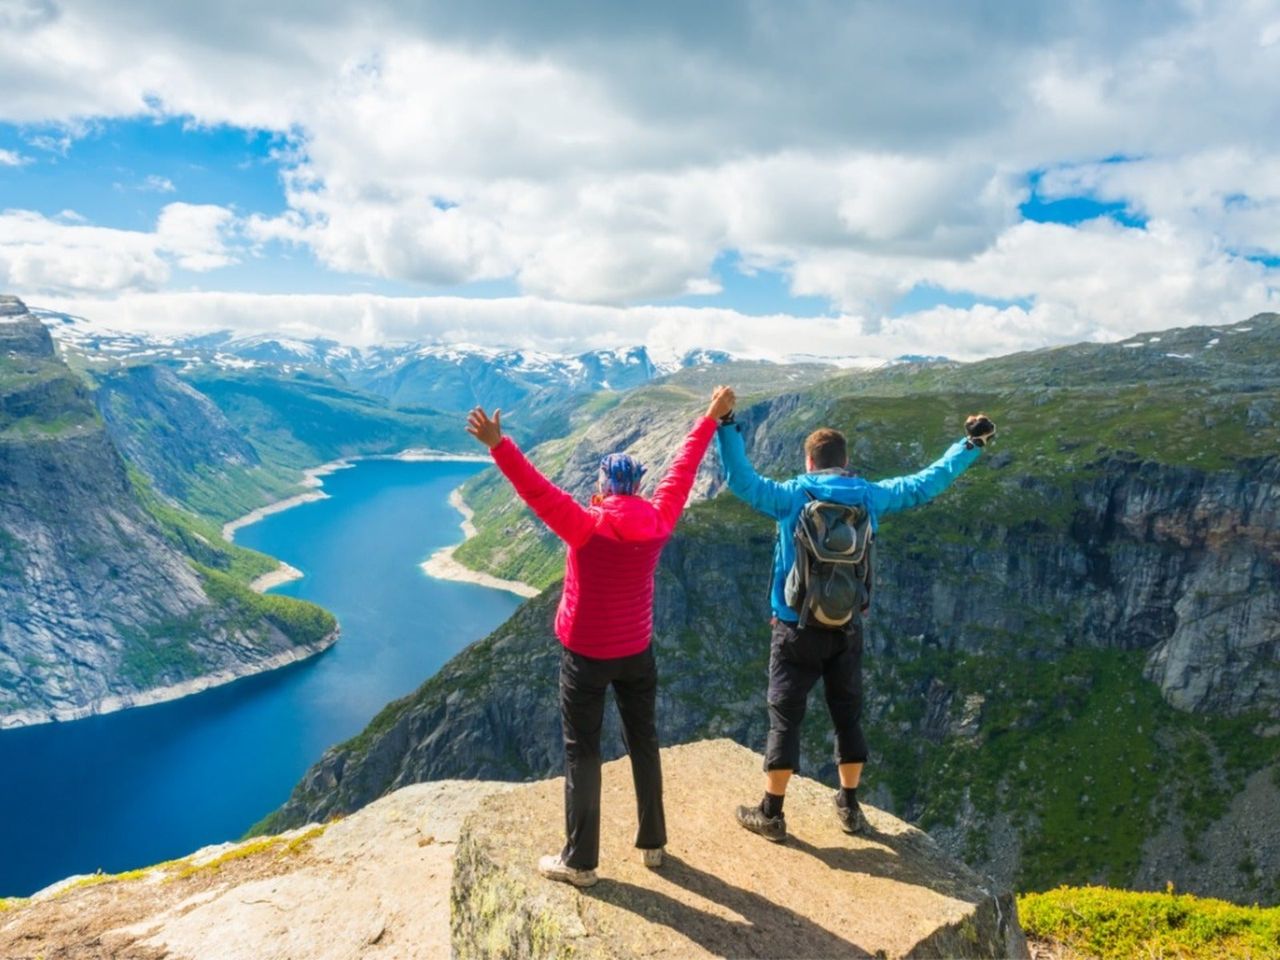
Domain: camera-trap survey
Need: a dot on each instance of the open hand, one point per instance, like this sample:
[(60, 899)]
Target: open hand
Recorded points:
[(722, 402), (488, 432), (979, 428)]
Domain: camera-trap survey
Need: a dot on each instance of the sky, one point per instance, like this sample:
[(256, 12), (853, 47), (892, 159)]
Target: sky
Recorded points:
[(836, 178)]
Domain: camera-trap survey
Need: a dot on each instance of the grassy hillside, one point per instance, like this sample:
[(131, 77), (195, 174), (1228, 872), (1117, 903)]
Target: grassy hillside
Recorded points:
[(303, 419), (40, 399), (1094, 922)]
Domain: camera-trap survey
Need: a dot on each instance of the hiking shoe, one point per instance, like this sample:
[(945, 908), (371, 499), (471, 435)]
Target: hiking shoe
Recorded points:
[(652, 858), (851, 818), (553, 868), (771, 828)]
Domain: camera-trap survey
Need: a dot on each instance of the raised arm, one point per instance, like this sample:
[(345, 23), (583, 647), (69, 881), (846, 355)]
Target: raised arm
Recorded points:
[(566, 518), (900, 493), (770, 497), (673, 490)]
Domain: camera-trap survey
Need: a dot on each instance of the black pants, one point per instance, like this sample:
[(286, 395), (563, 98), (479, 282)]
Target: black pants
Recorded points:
[(797, 658), (583, 682)]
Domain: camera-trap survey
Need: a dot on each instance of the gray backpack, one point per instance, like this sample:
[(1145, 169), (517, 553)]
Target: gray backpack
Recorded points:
[(830, 581)]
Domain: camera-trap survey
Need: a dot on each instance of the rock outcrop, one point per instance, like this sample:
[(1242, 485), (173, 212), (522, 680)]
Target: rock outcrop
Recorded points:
[(11, 306), (22, 333), (721, 892), (445, 869), (374, 886)]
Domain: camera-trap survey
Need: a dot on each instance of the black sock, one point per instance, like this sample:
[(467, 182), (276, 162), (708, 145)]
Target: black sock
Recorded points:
[(848, 797), (771, 805)]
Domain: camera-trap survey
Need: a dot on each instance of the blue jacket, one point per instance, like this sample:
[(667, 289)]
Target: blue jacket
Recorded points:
[(783, 500)]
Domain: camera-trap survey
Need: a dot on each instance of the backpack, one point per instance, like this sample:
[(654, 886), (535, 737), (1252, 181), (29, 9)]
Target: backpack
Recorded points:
[(830, 581)]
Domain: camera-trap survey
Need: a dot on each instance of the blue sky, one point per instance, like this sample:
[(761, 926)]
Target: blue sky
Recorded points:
[(874, 179), (119, 173), (122, 173)]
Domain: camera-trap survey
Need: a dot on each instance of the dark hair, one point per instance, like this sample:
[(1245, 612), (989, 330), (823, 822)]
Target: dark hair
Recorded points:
[(826, 448)]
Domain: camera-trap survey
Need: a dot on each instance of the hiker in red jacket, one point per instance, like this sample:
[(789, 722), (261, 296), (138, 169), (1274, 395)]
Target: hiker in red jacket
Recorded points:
[(605, 623)]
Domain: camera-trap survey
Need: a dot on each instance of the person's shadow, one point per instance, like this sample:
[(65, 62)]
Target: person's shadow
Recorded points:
[(766, 929), (887, 859)]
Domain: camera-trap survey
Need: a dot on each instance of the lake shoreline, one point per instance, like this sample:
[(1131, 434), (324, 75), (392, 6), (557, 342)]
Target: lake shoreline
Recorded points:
[(313, 477), (443, 565), (175, 691), (274, 578)]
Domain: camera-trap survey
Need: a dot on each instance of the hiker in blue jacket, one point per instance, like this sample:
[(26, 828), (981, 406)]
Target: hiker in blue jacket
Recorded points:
[(818, 602)]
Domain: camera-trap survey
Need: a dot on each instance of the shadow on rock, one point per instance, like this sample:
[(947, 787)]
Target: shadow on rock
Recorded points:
[(766, 929)]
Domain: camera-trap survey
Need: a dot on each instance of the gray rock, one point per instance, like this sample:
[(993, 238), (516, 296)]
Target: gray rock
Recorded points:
[(721, 891)]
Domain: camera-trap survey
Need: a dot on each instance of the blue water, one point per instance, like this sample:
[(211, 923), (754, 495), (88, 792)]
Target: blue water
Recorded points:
[(149, 784)]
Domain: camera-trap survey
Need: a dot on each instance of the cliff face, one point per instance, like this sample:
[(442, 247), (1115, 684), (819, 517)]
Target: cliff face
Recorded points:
[(102, 605), (1177, 563)]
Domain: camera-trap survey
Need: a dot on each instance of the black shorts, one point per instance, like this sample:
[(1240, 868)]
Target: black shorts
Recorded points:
[(797, 660)]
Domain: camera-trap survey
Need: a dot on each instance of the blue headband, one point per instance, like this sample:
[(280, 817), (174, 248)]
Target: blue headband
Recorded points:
[(620, 473)]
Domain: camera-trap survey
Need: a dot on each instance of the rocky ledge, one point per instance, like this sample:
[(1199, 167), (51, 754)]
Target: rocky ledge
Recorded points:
[(721, 892), (446, 869), (374, 885), (20, 332)]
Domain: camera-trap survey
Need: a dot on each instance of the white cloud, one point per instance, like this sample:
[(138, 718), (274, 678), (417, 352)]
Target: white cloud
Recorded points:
[(1105, 281), (195, 235), (9, 158), (529, 322), (535, 323), (38, 254), (608, 154), (158, 184), (66, 256), (1228, 193)]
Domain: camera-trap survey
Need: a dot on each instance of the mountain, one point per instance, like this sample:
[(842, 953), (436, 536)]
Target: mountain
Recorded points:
[(222, 439), (299, 402), (444, 377), (179, 439), (111, 596), (298, 420), (1073, 669)]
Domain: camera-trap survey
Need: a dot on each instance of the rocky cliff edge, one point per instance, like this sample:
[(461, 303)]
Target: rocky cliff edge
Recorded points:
[(446, 868)]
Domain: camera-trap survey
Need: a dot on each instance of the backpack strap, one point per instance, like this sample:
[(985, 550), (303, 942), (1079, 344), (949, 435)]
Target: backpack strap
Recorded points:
[(802, 565)]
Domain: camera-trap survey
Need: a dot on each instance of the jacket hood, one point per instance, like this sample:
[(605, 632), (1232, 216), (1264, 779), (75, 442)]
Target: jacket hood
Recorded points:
[(836, 488), (626, 517)]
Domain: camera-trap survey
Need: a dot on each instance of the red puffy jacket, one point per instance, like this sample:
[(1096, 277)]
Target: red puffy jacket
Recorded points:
[(606, 609)]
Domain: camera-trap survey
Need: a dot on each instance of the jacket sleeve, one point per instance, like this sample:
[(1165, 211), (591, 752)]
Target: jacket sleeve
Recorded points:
[(568, 519), (673, 490), (770, 497), (915, 489)]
